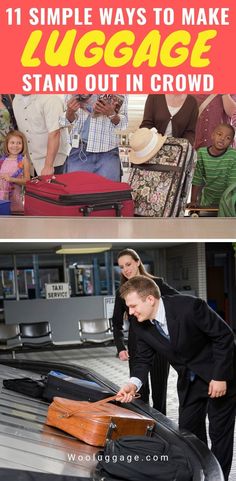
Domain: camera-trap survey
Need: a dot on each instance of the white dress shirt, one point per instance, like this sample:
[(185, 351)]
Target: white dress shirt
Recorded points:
[(161, 317)]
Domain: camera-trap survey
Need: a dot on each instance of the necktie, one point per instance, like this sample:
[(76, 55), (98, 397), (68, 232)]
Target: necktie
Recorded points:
[(190, 374), (159, 328)]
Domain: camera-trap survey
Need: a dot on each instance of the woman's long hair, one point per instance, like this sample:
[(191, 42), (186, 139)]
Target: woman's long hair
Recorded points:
[(132, 253)]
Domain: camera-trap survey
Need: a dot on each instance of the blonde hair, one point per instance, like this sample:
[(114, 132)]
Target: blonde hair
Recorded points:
[(15, 133), (142, 285)]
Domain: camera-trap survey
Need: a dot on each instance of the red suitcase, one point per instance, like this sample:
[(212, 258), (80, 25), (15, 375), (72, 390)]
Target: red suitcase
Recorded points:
[(78, 194)]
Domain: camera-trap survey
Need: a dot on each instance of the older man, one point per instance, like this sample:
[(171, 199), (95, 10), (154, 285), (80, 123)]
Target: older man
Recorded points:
[(94, 127)]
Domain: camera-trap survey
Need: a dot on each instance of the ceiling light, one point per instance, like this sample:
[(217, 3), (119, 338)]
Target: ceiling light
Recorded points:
[(84, 248)]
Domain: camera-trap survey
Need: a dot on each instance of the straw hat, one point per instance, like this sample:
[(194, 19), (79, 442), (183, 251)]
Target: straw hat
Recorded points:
[(145, 143)]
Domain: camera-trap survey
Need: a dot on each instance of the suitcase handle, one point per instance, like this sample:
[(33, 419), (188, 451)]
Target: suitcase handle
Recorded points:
[(111, 398), (50, 180), (86, 210), (87, 407), (158, 167), (53, 180)]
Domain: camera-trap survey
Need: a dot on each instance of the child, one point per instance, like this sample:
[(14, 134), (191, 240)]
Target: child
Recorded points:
[(14, 170), (233, 123), (215, 169)]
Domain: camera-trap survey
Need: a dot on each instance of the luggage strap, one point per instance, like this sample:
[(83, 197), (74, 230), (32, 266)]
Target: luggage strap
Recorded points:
[(87, 407), (88, 209), (206, 102), (157, 167)]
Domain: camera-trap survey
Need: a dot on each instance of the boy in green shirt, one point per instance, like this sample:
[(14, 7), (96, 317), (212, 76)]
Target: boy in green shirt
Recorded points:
[(215, 169)]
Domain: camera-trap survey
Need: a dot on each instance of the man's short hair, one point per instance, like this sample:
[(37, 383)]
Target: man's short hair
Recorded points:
[(142, 285)]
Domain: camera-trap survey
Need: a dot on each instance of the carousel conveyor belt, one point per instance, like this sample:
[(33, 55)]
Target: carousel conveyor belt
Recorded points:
[(28, 445)]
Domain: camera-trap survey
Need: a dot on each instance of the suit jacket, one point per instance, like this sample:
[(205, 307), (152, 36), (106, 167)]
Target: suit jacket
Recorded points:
[(200, 341)]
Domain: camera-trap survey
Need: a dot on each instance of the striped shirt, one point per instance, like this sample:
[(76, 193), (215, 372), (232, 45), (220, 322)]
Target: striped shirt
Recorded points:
[(215, 174), (102, 134)]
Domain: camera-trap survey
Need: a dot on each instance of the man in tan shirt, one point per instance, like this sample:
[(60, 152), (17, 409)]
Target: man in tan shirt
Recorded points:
[(37, 117)]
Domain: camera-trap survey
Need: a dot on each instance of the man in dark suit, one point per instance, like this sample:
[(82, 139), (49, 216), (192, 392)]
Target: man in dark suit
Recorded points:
[(200, 347)]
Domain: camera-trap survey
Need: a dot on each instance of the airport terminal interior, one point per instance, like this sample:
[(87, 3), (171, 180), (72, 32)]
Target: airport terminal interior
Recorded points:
[(65, 284), (91, 274)]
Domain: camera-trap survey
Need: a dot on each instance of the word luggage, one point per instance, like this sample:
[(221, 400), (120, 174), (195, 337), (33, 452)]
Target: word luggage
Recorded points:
[(77, 194), (95, 423), (161, 185)]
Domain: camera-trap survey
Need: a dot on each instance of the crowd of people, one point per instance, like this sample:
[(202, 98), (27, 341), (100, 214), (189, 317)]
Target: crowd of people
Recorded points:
[(81, 133)]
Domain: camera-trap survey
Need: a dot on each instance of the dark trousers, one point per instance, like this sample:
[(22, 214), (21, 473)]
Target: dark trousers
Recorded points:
[(59, 169), (221, 414), (159, 378)]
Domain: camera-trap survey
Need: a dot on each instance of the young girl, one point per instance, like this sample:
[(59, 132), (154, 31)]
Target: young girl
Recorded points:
[(7, 119), (14, 170)]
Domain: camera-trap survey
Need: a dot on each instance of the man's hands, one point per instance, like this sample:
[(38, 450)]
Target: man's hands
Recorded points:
[(47, 170), (124, 355), (126, 393), (72, 106), (99, 108), (103, 108), (217, 388)]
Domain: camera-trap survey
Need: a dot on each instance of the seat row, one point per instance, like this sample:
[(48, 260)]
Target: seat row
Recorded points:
[(33, 335), (25, 335)]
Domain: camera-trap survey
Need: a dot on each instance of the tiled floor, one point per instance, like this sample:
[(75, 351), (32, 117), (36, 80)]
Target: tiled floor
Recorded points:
[(104, 361)]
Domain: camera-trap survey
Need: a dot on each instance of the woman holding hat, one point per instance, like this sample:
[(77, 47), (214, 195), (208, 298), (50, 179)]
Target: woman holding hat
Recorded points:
[(145, 143), (173, 115), (131, 265), (156, 190)]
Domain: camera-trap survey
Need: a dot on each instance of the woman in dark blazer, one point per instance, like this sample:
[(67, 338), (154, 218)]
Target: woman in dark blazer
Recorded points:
[(131, 265)]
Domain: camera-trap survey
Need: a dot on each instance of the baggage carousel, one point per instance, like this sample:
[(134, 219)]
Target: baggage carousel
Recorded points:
[(33, 451), (111, 229)]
